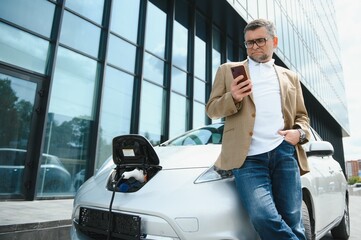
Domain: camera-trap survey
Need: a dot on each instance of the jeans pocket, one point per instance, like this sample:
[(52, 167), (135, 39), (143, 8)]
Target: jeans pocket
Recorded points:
[(288, 146)]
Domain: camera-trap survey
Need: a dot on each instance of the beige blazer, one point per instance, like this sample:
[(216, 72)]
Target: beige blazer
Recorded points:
[(240, 117)]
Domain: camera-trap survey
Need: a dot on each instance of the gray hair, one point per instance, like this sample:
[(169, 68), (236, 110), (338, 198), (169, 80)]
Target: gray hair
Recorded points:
[(253, 25)]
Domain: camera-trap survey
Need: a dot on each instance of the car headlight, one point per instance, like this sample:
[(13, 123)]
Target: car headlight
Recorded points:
[(213, 174)]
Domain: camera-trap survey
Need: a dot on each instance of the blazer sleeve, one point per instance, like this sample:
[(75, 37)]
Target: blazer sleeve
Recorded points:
[(301, 119), (220, 103)]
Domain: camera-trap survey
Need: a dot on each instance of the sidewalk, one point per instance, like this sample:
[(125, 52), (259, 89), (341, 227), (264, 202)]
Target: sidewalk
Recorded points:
[(35, 220), (51, 219)]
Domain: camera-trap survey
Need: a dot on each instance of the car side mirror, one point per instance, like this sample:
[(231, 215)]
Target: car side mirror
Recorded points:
[(320, 149)]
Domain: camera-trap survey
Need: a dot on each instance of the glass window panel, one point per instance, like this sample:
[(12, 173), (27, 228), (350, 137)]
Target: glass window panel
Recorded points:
[(115, 111), (180, 46), (179, 81), (262, 9), (66, 145), (54, 177), (35, 15), (180, 35), (17, 97), (125, 15), (270, 10), (198, 114), (23, 49), (178, 116), (74, 85), (200, 58), (17, 105), (153, 68), (92, 9), (200, 48), (286, 39), (230, 54), (253, 9), (121, 53), (12, 164), (293, 45), (156, 23), (278, 25), (241, 6), (216, 62), (199, 90), (80, 34), (216, 52), (70, 118), (151, 112)]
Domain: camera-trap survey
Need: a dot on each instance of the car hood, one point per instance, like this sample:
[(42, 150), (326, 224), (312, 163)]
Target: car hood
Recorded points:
[(197, 156)]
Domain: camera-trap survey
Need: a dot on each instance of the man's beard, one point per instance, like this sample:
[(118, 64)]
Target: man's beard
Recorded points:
[(262, 58)]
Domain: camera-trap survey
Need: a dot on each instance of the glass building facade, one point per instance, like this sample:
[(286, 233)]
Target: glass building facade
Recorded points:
[(74, 74)]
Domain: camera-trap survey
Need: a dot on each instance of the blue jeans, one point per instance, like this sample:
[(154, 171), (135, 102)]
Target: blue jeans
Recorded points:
[(269, 186)]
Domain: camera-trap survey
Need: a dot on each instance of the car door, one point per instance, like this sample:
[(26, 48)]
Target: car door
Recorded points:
[(327, 203), (321, 194), (338, 188)]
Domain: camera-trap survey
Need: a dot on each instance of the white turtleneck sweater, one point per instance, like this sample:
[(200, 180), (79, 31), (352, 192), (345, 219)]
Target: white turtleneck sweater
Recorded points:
[(267, 98)]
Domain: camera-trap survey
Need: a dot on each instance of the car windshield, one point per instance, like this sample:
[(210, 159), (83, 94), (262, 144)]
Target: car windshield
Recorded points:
[(211, 134)]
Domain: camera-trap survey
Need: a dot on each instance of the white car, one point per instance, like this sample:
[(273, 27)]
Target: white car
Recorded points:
[(173, 191)]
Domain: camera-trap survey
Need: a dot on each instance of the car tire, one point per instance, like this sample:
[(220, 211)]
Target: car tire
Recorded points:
[(307, 224), (342, 231)]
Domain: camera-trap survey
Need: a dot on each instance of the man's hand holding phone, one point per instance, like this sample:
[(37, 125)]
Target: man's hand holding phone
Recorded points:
[(241, 86)]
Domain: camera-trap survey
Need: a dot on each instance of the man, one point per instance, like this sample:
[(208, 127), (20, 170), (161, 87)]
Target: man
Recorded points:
[(265, 124)]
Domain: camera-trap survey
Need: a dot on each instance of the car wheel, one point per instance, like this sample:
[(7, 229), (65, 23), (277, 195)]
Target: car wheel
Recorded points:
[(342, 231), (307, 222)]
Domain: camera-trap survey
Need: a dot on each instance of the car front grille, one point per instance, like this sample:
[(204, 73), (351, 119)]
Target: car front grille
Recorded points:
[(95, 224)]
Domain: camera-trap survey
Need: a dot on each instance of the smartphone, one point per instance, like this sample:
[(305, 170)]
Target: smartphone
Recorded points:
[(239, 70)]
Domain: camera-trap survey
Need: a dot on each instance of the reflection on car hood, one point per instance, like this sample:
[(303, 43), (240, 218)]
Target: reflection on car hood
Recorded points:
[(177, 157), (188, 156)]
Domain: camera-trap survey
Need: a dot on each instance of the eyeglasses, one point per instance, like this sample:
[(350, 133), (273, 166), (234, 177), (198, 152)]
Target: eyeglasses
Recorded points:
[(260, 42)]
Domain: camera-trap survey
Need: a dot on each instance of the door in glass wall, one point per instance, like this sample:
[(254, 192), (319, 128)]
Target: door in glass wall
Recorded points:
[(18, 100)]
